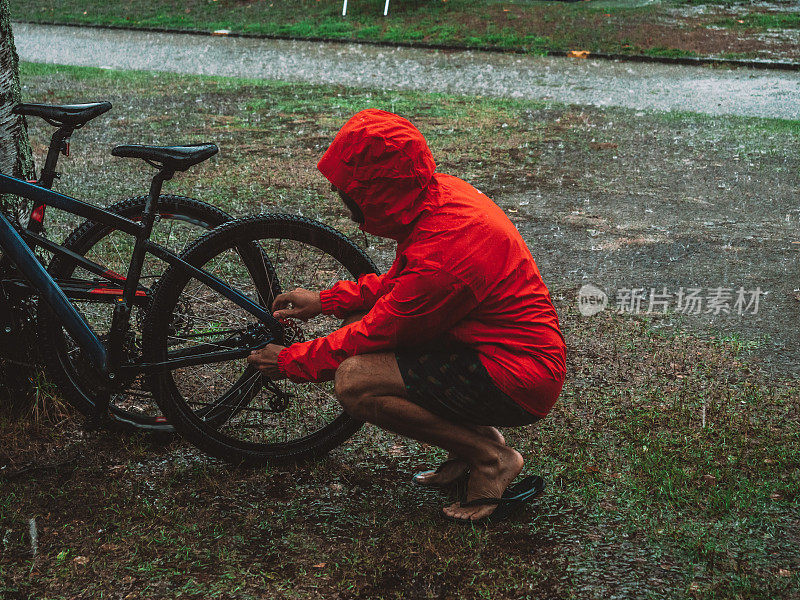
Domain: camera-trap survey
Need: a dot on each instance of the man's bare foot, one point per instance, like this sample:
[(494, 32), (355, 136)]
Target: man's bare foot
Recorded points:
[(454, 467), (488, 481), (445, 474)]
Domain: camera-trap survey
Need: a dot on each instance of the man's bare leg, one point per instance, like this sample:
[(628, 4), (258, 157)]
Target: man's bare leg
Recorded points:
[(371, 389), (454, 466)]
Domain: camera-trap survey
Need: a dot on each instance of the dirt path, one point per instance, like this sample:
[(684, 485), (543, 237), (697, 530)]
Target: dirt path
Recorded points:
[(587, 82)]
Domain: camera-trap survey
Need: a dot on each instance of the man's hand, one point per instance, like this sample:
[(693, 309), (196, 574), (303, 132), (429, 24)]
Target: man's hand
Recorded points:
[(305, 304), (266, 361)]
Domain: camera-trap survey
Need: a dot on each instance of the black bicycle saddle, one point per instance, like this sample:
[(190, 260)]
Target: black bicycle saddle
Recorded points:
[(176, 158), (71, 115)]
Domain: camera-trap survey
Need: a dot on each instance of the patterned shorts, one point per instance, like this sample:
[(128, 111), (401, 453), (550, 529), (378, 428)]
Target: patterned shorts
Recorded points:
[(450, 381)]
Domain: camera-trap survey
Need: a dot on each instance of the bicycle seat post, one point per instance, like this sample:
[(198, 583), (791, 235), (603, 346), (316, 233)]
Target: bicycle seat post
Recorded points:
[(165, 173), (59, 144)]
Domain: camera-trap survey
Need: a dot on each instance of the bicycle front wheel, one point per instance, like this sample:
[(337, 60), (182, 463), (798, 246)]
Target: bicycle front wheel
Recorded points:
[(228, 409)]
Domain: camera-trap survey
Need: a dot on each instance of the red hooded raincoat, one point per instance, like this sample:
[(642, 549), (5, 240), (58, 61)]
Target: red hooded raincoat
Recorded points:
[(462, 270)]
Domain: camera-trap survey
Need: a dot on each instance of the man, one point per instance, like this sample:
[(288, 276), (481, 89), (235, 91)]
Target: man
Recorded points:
[(457, 337)]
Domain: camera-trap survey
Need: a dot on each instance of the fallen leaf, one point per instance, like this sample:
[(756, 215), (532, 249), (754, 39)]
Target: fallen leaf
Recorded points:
[(578, 54), (320, 565), (603, 145)]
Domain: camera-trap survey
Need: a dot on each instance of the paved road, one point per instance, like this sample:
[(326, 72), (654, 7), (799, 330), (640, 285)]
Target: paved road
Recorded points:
[(634, 85)]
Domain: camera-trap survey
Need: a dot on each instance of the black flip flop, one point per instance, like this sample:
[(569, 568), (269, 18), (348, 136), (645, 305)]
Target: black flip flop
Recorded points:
[(416, 478), (514, 498)]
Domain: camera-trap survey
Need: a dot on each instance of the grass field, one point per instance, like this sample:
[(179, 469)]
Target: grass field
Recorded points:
[(672, 458), (667, 28)]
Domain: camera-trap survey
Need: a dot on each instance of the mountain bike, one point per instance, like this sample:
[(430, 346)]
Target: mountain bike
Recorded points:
[(180, 219), (198, 328)]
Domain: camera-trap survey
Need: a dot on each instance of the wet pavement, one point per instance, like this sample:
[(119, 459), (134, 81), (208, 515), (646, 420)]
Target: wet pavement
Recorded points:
[(715, 91)]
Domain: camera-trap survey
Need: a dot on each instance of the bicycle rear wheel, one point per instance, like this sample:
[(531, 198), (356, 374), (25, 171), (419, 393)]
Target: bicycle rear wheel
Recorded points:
[(181, 220), (228, 409)]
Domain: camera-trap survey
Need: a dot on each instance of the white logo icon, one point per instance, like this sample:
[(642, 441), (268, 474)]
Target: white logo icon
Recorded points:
[(591, 300)]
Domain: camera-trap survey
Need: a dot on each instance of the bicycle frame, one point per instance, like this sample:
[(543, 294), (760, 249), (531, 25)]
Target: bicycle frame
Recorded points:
[(105, 358)]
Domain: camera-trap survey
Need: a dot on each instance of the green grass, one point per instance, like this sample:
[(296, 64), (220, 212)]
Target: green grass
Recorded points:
[(662, 51), (644, 500), (762, 21), (530, 26)]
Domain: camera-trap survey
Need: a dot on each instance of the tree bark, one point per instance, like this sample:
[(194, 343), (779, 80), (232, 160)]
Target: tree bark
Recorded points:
[(15, 151), (15, 160)]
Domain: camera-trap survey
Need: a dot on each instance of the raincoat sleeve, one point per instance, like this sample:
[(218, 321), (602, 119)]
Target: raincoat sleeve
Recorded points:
[(347, 297), (421, 306)]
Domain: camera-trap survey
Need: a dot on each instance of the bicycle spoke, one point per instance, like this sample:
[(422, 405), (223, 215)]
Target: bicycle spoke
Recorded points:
[(235, 399)]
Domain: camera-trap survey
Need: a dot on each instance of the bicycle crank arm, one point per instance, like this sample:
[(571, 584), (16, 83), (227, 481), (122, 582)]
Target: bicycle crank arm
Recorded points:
[(205, 358)]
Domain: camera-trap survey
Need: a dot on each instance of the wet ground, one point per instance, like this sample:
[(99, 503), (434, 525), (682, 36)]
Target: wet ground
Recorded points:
[(667, 206), (671, 463), (671, 206), (741, 92)]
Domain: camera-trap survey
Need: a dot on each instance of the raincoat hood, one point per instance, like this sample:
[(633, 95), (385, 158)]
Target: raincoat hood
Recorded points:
[(383, 163)]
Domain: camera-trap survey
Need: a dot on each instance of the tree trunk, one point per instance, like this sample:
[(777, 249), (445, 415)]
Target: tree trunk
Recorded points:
[(15, 151), (15, 160)]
